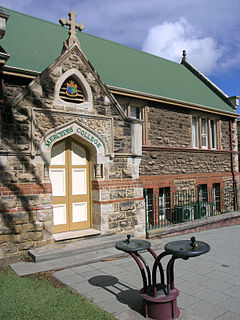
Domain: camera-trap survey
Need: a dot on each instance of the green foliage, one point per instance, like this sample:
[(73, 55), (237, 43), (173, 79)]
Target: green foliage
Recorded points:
[(36, 298)]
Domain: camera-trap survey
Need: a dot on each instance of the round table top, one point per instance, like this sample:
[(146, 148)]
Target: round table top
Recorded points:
[(134, 245), (186, 248)]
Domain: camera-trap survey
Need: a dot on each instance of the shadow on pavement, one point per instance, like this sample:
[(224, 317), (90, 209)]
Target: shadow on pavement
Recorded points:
[(126, 294)]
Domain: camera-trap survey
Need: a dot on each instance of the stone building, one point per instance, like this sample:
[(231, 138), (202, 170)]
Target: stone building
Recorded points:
[(88, 124)]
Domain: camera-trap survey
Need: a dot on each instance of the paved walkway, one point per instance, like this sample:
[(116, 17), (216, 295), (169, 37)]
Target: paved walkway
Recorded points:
[(209, 285)]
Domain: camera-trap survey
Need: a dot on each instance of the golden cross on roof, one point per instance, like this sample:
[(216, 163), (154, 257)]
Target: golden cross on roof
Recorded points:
[(72, 27)]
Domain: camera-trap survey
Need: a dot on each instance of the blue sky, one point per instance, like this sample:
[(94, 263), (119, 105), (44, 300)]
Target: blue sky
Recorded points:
[(209, 30)]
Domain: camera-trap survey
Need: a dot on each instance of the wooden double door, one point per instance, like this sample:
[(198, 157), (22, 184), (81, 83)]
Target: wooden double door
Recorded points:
[(69, 175)]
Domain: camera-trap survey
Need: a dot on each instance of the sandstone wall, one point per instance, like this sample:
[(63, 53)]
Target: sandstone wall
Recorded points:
[(26, 218), (170, 127)]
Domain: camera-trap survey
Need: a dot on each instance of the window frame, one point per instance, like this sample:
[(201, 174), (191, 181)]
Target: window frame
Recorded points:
[(205, 133), (216, 196), (164, 202), (213, 134), (128, 108), (195, 132), (203, 193)]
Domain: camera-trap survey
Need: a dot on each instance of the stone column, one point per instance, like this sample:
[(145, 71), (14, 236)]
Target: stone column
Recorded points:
[(98, 171)]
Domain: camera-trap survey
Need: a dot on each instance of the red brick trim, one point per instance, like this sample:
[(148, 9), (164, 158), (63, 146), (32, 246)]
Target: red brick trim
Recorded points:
[(30, 209), (116, 184), (25, 189), (117, 201), (164, 181)]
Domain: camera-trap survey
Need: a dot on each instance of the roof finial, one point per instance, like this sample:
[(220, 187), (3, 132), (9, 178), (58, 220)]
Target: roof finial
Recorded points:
[(184, 54), (72, 28)]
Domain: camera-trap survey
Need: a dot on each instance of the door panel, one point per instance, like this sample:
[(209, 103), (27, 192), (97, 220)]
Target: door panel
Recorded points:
[(78, 155), (79, 212), (58, 154), (58, 180), (69, 174), (79, 175), (59, 214)]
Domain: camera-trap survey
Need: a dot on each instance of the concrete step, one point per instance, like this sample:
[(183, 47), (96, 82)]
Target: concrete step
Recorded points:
[(68, 249), (78, 234), (72, 254), (25, 268)]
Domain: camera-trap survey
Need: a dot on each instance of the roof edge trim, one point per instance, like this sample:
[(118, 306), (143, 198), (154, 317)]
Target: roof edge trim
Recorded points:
[(206, 81), (117, 90), (20, 72), (4, 57), (140, 95)]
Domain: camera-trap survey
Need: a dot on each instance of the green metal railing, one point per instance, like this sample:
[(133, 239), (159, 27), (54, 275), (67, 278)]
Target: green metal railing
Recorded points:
[(168, 208)]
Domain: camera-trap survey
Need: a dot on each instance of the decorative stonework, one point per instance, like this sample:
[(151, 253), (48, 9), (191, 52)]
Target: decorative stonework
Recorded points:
[(86, 105), (87, 135), (102, 126), (73, 26)]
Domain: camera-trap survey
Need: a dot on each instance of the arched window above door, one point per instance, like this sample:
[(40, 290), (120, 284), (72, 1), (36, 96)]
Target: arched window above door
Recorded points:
[(72, 91)]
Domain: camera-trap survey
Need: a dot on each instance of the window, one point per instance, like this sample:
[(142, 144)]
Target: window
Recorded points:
[(204, 133), (71, 91), (213, 139), (216, 198), (131, 111), (150, 205), (135, 112), (164, 203), (158, 206), (202, 193), (195, 132)]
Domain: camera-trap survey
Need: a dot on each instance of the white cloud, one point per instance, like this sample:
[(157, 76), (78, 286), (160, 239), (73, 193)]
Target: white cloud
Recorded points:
[(169, 39)]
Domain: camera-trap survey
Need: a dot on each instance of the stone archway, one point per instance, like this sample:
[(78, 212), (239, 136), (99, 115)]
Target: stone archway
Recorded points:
[(87, 136), (74, 201), (70, 178)]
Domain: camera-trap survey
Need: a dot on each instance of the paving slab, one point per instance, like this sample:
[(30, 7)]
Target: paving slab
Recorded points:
[(208, 291), (209, 285)]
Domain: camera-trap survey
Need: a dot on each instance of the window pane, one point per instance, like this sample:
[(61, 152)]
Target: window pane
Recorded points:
[(213, 134), (150, 206), (204, 133), (216, 197), (164, 202), (202, 192), (204, 141), (135, 112), (204, 126), (195, 132)]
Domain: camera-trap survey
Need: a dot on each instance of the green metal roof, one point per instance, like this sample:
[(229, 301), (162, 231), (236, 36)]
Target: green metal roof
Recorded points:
[(33, 44)]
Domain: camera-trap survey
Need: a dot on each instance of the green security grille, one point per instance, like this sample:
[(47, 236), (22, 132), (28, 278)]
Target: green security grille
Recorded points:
[(164, 208)]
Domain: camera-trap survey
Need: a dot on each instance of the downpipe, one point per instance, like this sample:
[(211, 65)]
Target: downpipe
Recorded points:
[(232, 166)]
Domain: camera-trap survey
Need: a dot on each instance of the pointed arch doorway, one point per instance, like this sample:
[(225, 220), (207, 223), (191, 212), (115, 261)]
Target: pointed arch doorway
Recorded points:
[(70, 178)]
